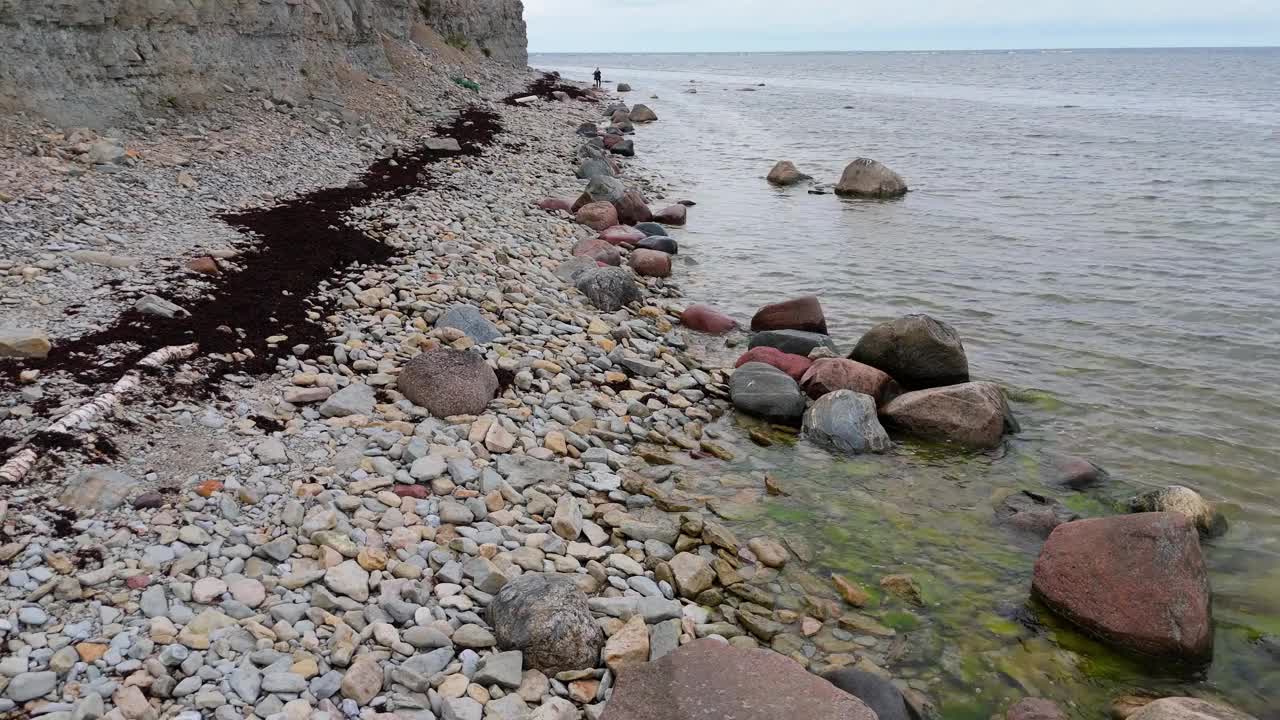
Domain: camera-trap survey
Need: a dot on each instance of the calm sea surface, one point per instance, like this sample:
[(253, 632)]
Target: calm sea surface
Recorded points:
[(1102, 228)]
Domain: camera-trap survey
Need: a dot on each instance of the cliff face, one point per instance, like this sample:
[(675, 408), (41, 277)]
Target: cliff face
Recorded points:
[(90, 61)]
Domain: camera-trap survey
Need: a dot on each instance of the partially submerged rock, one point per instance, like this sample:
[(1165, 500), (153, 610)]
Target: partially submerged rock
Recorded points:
[(1032, 512), (448, 382), (704, 318), (765, 391), (973, 415), (1187, 708), (846, 421), (641, 113), (916, 350), (660, 243), (803, 313), (865, 177), (1135, 581), (784, 173), (796, 342), (650, 263), (672, 215), (830, 374), (1184, 501), (878, 693)]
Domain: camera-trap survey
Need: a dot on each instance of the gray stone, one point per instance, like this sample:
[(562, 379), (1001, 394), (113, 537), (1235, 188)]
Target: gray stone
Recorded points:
[(765, 391), (283, 682), (846, 421), (354, 399), (664, 637), (473, 636), (97, 489), (796, 342), (470, 321), (521, 471), (31, 685), (23, 343), (271, 452), (878, 693), (502, 669), (609, 288), (547, 618), (462, 708)]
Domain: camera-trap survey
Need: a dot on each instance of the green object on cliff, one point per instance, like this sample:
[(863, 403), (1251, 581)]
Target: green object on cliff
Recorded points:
[(468, 84)]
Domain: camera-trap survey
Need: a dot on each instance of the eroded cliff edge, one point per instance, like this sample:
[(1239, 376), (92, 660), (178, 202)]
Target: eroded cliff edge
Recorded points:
[(93, 62)]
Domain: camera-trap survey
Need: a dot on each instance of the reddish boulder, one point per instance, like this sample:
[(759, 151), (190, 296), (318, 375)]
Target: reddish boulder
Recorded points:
[(793, 365), (710, 680), (1135, 581), (599, 250), (611, 140), (704, 318), (632, 208), (622, 235), (448, 382), (598, 215), (651, 263), (1035, 709), (974, 415), (671, 215), (804, 313), (553, 204), (831, 374), (204, 265)]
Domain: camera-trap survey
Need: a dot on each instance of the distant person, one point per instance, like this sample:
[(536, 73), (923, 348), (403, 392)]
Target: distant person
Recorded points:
[(597, 76)]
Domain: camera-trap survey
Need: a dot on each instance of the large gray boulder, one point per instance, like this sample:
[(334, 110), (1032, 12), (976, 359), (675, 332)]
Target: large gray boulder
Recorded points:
[(865, 177), (470, 321), (595, 167), (546, 617), (846, 421), (604, 188), (448, 382), (878, 693), (609, 288), (915, 350), (765, 391), (972, 415), (643, 114)]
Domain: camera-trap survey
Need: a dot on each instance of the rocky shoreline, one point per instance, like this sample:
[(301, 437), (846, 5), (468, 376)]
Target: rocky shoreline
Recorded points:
[(477, 497)]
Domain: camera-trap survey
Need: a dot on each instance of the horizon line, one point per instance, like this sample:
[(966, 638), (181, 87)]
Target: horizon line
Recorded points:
[(909, 50)]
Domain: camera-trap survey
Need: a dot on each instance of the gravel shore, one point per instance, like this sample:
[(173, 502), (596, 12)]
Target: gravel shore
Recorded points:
[(311, 542)]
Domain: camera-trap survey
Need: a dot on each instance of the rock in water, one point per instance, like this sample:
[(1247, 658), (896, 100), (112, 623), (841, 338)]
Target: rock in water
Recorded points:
[(598, 215), (672, 215), (831, 374), (448, 382), (846, 421), (1033, 512), (795, 366), (1035, 709), (796, 342), (471, 321), (659, 243), (867, 178), (765, 391), (1183, 500), (804, 313), (643, 114), (650, 263), (1135, 581), (632, 208), (609, 288), (710, 680), (547, 618), (1186, 708), (704, 318), (651, 228), (879, 694), (624, 87), (1077, 473), (23, 343), (916, 350), (973, 415), (784, 173)]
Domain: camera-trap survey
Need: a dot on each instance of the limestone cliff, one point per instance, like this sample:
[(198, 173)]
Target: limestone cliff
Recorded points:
[(92, 61)]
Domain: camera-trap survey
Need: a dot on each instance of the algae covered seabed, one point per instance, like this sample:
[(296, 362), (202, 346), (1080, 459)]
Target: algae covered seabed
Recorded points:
[(978, 642)]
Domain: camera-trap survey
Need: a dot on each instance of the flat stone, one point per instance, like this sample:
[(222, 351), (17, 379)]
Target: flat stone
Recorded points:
[(504, 669)]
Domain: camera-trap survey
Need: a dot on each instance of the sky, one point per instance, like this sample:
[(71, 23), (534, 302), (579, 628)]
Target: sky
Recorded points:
[(809, 25)]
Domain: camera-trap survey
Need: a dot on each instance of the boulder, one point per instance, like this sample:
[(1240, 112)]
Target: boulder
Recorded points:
[(546, 617), (878, 693), (621, 235), (570, 270), (784, 173), (916, 350), (659, 243), (471, 321), (672, 215), (643, 114), (604, 189), (624, 126), (611, 140), (97, 489), (597, 249), (1035, 709), (846, 421), (23, 343), (796, 342), (588, 129), (1077, 473), (609, 288), (765, 391), (620, 115), (553, 204), (591, 149), (624, 87), (1183, 500), (448, 382), (1034, 513), (625, 148), (650, 263), (831, 374), (972, 415), (867, 178), (632, 208), (1187, 708), (1135, 581), (598, 215), (704, 318), (712, 680), (595, 167), (795, 366), (651, 228), (803, 313)]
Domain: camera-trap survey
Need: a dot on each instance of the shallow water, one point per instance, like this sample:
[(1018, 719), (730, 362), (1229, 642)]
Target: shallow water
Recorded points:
[(1103, 229)]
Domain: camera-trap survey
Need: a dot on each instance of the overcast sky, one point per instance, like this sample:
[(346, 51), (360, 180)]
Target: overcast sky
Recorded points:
[(776, 25)]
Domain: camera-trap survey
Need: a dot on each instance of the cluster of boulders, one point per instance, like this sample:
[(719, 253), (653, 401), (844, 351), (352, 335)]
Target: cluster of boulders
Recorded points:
[(864, 177)]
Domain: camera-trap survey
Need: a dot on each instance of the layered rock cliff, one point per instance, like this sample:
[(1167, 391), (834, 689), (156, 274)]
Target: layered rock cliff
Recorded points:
[(92, 61)]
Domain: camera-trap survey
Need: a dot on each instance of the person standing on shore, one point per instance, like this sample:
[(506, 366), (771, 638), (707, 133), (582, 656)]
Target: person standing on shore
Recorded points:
[(597, 76)]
